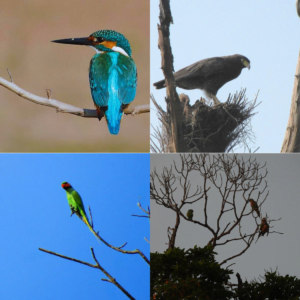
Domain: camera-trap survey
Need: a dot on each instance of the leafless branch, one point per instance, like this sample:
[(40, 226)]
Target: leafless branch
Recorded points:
[(91, 218), (96, 266), (11, 78), (119, 249), (63, 107), (146, 211)]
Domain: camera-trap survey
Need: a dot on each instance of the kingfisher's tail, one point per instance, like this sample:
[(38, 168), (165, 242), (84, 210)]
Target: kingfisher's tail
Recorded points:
[(113, 117), (89, 226)]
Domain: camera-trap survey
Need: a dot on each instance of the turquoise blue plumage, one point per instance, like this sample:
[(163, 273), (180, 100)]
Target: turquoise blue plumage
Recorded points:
[(113, 85), (112, 74)]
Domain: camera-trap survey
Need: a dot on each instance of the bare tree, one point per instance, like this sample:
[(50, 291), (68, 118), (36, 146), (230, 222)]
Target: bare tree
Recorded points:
[(199, 127), (236, 179)]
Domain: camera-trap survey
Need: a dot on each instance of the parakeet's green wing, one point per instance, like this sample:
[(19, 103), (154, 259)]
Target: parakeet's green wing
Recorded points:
[(78, 201)]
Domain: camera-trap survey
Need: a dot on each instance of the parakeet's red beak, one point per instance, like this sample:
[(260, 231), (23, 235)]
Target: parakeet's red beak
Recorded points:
[(65, 185)]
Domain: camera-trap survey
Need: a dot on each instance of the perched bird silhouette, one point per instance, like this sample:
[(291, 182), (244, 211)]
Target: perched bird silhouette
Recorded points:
[(254, 206), (209, 74), (190, 214), (113, 74), (76, 205), (263, 228)]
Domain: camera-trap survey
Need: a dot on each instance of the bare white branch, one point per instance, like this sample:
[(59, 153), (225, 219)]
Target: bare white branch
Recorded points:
[(63, 107)]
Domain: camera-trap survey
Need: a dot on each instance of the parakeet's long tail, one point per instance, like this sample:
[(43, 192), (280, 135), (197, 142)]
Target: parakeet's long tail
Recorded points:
[(84, 219)]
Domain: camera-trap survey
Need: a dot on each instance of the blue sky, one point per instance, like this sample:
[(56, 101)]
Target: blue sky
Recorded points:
[(35, 213), (267, 32)]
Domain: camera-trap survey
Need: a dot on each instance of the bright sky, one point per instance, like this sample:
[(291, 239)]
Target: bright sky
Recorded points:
[(271, 251), (35, 213), (267, 32)]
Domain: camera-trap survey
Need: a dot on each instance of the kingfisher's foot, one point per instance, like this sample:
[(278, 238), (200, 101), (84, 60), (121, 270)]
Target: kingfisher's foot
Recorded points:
[(124, 106), (100, 113)]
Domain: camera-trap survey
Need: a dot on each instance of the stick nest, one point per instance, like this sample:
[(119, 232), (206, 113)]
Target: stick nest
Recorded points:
[(207, 128)]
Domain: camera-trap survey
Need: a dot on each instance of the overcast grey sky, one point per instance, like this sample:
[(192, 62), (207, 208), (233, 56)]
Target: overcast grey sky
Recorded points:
[(267, 32), (271, 251)]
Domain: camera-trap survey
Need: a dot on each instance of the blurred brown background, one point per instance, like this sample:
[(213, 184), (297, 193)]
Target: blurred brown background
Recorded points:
[(26, 29)]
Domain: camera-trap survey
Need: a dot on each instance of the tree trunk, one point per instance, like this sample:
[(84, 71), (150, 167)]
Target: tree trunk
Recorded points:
[(291, 142), (165, 17)]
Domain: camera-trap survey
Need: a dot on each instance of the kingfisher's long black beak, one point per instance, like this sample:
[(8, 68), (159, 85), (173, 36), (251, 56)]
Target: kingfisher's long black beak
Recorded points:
[(75, 41)]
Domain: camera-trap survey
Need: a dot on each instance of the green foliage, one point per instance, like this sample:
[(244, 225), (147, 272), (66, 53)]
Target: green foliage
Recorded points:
[(192, 274), (274, 287)]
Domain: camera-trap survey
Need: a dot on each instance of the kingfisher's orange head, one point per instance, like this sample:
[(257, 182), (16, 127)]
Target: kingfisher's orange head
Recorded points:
[(66, 185)]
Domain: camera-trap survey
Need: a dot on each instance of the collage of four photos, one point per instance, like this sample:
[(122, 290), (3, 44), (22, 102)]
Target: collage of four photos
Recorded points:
[(198, 98)]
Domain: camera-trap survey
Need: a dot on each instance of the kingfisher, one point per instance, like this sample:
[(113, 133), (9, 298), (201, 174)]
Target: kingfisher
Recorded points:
[(112, 74)]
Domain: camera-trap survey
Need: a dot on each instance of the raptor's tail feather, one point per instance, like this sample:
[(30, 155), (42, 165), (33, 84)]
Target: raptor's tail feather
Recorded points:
[(160, 84)]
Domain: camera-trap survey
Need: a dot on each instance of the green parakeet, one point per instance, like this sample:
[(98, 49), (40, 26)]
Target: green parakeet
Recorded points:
[(190, 214), (76, 205), (254, 206)]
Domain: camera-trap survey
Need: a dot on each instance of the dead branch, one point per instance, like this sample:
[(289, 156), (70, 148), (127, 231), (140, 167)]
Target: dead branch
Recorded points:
[(63, 107), (165, 18), (291, 141), (96, 266), (146, 211), (119, 249)]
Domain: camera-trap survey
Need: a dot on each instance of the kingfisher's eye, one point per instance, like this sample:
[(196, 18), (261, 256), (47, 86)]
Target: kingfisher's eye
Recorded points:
[(98, 39)]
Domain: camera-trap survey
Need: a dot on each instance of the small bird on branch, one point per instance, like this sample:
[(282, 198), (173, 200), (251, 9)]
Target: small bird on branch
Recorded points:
[(190, 214), (254, 206), (263, 228), (113, 74)]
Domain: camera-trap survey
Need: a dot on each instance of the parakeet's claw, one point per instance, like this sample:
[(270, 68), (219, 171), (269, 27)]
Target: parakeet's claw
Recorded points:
[(72, 211)]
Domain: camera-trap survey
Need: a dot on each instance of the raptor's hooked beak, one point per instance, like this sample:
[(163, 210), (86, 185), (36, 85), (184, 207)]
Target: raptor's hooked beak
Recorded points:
[(246, 63)]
